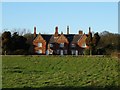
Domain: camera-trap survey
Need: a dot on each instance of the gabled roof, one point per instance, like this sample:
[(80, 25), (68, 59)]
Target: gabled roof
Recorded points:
[(76, 38), (53, 39), (39, 35), (68, 36), (46, 37), (50, 38), (63, 37)]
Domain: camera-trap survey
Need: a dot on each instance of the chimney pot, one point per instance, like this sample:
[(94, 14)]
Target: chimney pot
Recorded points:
[(89, 29), (67, 29), (80, 32), (34, 32), (56, 31)]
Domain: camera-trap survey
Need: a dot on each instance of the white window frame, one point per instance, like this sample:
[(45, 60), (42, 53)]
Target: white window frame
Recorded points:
[(76, 52), (84, 45), (73, 45), (73, 52), (39, 44), (61, 52), (39, 51)]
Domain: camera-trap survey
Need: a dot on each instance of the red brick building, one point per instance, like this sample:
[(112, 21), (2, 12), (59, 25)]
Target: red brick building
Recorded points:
[(59, 44)]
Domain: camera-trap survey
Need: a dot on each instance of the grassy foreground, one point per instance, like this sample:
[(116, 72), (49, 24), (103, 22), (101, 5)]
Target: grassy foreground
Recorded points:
[(59, 71)]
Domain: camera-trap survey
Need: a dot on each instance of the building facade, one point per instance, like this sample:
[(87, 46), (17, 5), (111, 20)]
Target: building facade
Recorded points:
[(60, 44)]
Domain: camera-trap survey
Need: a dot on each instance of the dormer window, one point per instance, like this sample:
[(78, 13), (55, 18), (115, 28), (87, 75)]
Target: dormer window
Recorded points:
[(39, 44), (61, 44), (51, 45), (73, 45)]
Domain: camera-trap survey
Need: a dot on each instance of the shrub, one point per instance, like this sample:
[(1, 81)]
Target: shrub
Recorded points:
[(101, 51), (115, 54)]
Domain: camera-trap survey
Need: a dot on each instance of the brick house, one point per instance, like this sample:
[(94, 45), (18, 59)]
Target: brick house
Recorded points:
[(39, 45), (60, 44)]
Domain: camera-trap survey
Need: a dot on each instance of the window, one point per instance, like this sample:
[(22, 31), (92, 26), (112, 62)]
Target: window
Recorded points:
[(39, 44), (76, 52), (39, 51), (61, 52), (61, 44), (51, 45), (83, 45), (72, 45), (73, 52)]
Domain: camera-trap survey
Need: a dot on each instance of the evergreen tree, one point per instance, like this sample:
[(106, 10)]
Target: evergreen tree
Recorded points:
[(14, 44), (6, 42), (92, 41)]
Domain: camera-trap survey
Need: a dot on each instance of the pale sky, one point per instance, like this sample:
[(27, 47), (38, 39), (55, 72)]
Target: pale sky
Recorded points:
[(100, 16)]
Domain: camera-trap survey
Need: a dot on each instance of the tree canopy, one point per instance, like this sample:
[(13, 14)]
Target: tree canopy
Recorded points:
[(92, 41), (102, 43), (13, 43)]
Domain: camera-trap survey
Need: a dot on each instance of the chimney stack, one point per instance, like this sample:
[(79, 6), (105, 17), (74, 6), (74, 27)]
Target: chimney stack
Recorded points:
[(34, 32), (67, 30), (80, 32), (56, 31), (89, 29)]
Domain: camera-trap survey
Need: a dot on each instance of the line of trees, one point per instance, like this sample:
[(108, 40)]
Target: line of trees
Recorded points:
[(109, 43), (14, 44), (105, 43)]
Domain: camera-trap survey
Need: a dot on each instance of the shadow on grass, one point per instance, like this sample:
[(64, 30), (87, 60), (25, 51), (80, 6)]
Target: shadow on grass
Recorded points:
[(66, 88)]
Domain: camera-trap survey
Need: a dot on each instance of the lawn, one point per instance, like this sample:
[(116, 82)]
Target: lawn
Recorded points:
[(58, 72)]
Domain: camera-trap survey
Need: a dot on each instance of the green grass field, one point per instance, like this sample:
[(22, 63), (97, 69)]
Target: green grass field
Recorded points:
[(60, 71)]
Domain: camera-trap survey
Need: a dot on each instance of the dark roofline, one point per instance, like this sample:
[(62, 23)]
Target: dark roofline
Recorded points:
[(72, 38)]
